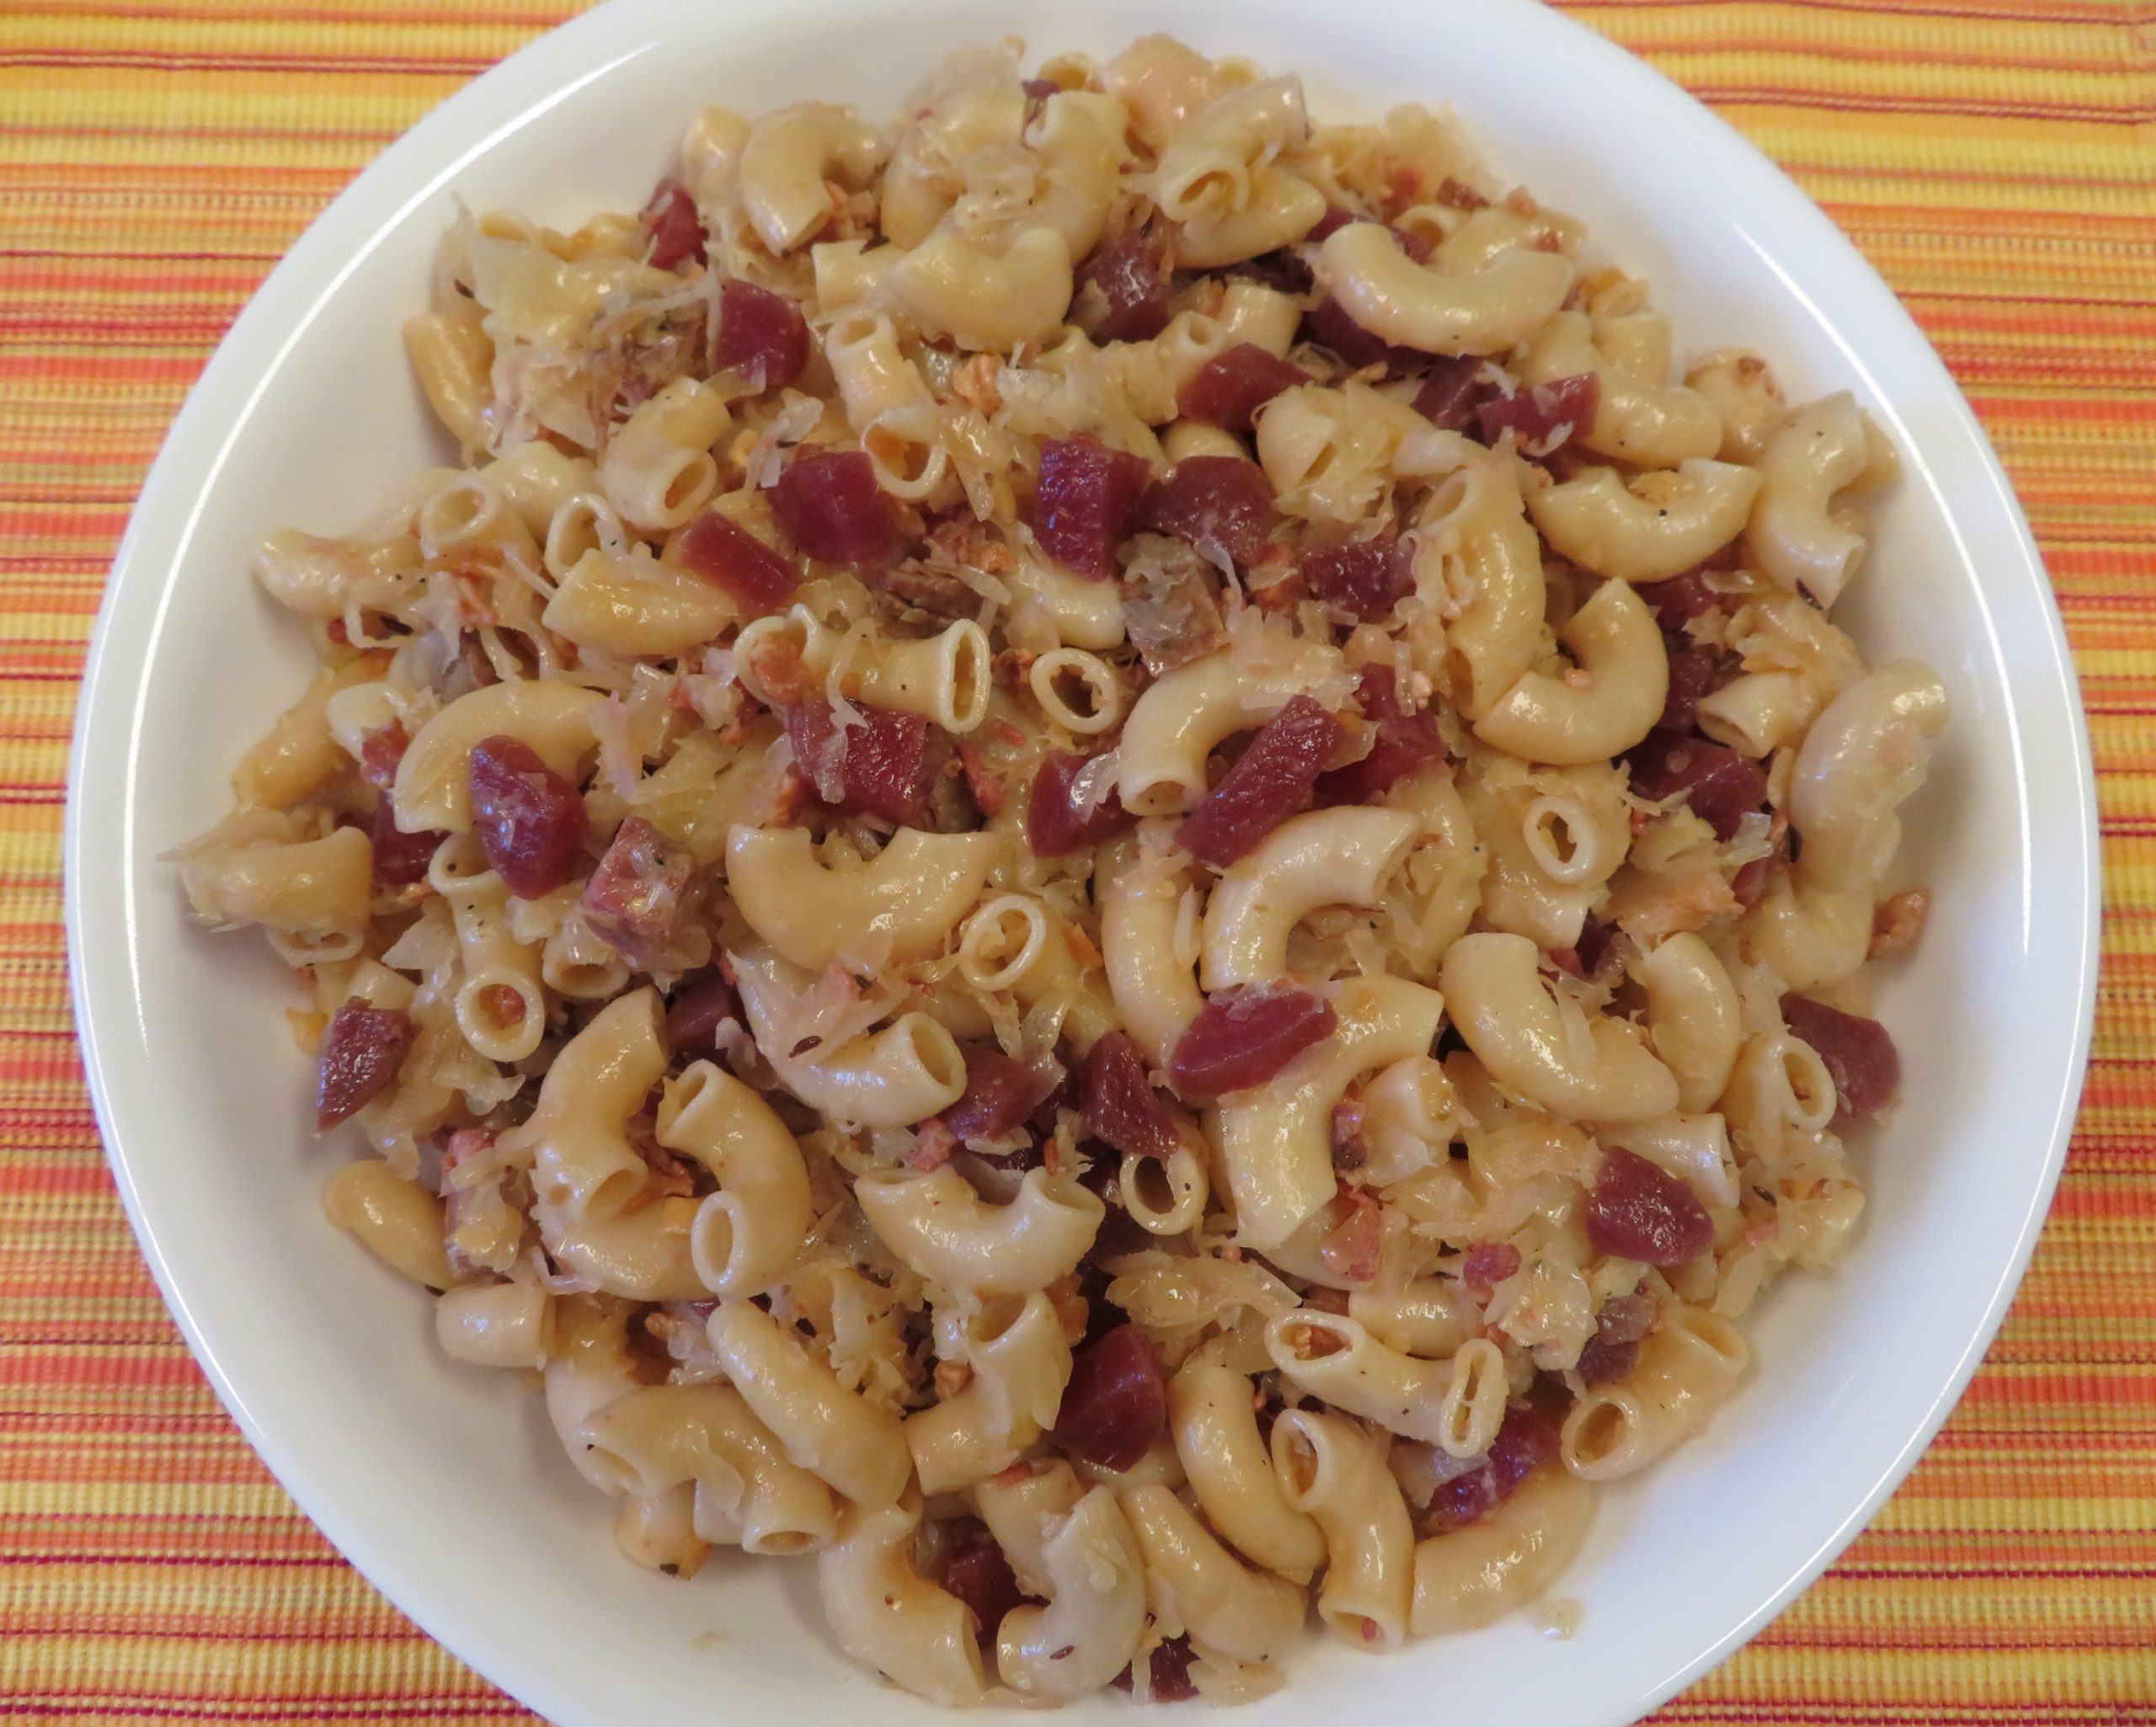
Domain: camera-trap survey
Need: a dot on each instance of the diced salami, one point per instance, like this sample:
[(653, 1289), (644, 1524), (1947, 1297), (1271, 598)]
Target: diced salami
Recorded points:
[(1231, 386), (1221, 504), (1244, 1035), (1364, 577), (1720, 786), (400, 859), (1542, 417), (1614, 1350), (1449, 392), (361, 1052), (758, 577), (529, 819), (879, 768), (1124, 289), (1691, 676), (831, 503), (1121, 1108), (1056, 823), (697, 1012), (1527, 1439), (1405, 743), (1167, 1672), (1328, 324), (1642, 1212), (981, 1577), (1001, 1092), (1676, 602), (677, 231), (1270, 782), (1085, 502), (1116, 1405), (1858, 1053), (762, 336)]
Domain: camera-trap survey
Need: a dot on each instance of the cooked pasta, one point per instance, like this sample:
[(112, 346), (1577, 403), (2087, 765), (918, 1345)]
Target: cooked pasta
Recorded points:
[(1100, 856)]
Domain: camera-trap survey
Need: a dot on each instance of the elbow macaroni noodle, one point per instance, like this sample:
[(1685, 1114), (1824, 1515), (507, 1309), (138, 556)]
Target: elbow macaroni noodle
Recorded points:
[(734, 1051)]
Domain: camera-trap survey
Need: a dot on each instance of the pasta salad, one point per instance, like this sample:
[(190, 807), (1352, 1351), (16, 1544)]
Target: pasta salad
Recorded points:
[(1095, 859)]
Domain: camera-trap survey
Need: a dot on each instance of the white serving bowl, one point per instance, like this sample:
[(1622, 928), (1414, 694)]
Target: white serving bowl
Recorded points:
[(445, 1486)]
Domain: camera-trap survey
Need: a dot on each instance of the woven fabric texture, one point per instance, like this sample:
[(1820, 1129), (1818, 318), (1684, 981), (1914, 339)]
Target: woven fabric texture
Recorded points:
[(1996, 159)]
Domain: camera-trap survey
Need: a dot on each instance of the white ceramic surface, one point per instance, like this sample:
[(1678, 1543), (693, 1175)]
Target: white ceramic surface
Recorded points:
[(444, 1485)]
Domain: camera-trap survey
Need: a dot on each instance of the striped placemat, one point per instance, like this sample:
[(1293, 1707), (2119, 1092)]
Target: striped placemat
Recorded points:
[(1995, 158)]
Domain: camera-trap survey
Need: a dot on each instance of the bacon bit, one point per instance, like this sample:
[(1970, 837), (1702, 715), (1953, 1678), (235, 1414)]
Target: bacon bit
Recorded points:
[(982, 780), (1897, 923), (1458, 195), (1271, 780), (976, 383), (1487, 1265), (1565, 959), (1170, 612), (933, 1143), (473, 659), (379, 753), (502, 1003), (677, 231), (1349, 1153), (361, 1052), (1005, 732), (1352, 1247), (336, 632)]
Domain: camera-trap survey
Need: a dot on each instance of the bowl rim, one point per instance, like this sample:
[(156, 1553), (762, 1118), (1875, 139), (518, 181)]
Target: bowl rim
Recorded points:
[(279, 316)]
